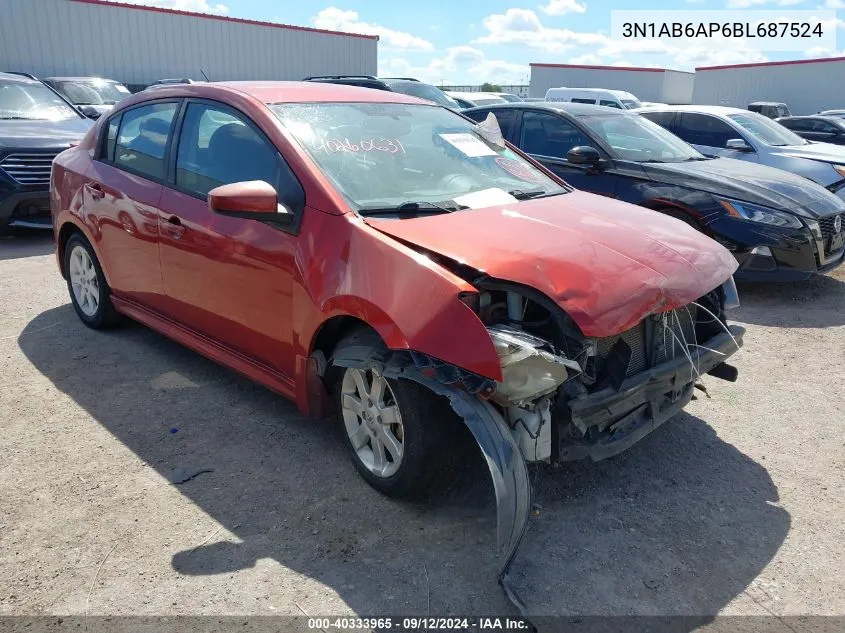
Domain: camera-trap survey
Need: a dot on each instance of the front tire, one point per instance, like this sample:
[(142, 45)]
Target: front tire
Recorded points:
[(89, 292), (399, 434)]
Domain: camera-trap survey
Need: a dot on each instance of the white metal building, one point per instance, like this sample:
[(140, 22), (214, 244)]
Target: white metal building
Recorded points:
[(648, 84), (805, 85), (140, 44)]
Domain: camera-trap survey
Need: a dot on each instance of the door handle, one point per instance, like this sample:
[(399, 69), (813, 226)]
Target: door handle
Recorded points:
[(95, 190), (173, 227)]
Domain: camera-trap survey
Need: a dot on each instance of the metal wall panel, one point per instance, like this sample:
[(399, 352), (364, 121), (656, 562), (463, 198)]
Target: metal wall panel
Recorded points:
[(137, 46), (677, 87), (646, 85), (806, 88)]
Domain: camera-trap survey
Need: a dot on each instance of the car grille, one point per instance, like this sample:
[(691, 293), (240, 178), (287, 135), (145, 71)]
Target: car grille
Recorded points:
[(828, 231), (826, 225), (29, 168), (664, 347)]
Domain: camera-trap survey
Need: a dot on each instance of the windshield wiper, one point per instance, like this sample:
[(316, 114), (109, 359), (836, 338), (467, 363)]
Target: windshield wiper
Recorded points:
[(414, 208), (519, 194)]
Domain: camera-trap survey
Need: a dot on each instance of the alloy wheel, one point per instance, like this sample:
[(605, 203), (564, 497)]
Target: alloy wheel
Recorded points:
[(372, 421), (84, 281)]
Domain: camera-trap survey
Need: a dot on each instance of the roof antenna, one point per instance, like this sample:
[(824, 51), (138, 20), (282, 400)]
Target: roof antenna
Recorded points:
[(204, 75)]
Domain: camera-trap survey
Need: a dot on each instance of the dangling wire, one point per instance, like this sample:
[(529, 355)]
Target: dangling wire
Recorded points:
[(724, 327)]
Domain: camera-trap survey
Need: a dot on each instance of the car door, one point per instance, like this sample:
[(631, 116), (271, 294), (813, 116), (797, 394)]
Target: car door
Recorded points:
[(229, 278), (121, 197), (802, 127), (710, 135), (547, 137), (825, 132)]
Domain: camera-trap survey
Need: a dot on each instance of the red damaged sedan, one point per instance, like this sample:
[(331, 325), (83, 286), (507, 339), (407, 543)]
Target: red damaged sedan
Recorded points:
[(383, 253)]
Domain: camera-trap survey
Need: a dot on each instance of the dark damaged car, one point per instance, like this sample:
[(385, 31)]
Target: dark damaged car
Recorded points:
[(368, 248)]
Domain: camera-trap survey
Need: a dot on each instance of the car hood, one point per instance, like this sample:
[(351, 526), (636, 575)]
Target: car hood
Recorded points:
[(608, 264), (20, 135), (824, 152), (750, 182)]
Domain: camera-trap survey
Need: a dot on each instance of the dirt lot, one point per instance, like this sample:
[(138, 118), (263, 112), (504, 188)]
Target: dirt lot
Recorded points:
[(733, 507)]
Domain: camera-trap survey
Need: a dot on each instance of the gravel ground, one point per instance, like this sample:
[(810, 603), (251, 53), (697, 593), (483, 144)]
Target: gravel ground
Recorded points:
[(733, 507)]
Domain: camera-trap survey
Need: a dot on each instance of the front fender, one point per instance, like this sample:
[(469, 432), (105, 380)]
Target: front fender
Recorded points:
[(410, 300)]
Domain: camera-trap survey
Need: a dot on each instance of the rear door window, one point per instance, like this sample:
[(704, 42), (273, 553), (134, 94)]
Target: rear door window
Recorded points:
[(549, 135), (506, 118), (592, 101), (143, 137), (703, 129), (663, 119)]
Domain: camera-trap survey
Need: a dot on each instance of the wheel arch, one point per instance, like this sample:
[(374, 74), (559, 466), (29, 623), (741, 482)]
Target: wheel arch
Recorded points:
[(63, 234)]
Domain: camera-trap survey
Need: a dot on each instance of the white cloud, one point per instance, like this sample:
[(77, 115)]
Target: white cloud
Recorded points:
[(562, 7), (522, 27), (834, 4), (460, 65), (198, 6), (334, 19), (589, 59), (689, 58), (821, 51), (745, 4)]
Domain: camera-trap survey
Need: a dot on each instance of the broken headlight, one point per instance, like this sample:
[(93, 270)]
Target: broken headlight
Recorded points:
[(529, 367)]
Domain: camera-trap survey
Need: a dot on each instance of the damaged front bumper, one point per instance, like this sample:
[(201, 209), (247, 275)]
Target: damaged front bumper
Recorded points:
[(613, 420), (465, 392)]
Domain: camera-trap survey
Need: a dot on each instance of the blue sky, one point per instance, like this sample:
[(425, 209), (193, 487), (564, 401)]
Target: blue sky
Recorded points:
[(472, 41)]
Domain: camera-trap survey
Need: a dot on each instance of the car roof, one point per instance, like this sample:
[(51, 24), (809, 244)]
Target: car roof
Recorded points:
[(701, 109), (771, 103), (20, 78), (288, 92), (574, 109), (114, 81), (821, 117)]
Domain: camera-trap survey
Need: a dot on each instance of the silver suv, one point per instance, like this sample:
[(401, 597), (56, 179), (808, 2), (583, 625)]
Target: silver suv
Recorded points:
[(736, 133)]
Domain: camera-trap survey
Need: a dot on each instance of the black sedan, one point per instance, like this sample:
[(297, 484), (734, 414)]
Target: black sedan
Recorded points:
[(780, 227), (824, 129)]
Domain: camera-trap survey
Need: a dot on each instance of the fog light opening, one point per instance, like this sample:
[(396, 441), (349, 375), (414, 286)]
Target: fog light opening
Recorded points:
[(760, 258)]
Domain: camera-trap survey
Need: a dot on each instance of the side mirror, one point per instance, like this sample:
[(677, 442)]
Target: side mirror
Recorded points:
[(738, 145), (90, 111), (583, 155), (251, 199)]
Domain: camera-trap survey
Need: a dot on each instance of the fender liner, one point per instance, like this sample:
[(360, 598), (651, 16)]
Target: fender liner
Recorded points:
[(465, 392)]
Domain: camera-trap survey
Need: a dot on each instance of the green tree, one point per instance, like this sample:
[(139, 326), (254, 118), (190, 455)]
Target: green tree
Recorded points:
[(488, 87)]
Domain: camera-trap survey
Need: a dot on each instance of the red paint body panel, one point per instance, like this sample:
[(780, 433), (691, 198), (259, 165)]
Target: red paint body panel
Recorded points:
[(608, 264), (255, 297)]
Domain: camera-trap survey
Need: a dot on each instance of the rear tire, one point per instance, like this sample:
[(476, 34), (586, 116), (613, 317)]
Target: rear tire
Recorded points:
[(86, 284), (399, 434)]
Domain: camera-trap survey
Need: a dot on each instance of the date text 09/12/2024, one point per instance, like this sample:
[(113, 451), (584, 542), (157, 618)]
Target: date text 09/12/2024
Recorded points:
[(420, 624)]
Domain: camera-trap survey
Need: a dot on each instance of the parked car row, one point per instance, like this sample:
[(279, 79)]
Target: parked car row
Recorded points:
[(778, 225)]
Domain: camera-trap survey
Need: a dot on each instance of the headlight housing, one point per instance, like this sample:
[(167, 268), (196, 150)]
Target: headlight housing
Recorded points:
[(529, 369), (759, 213)]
